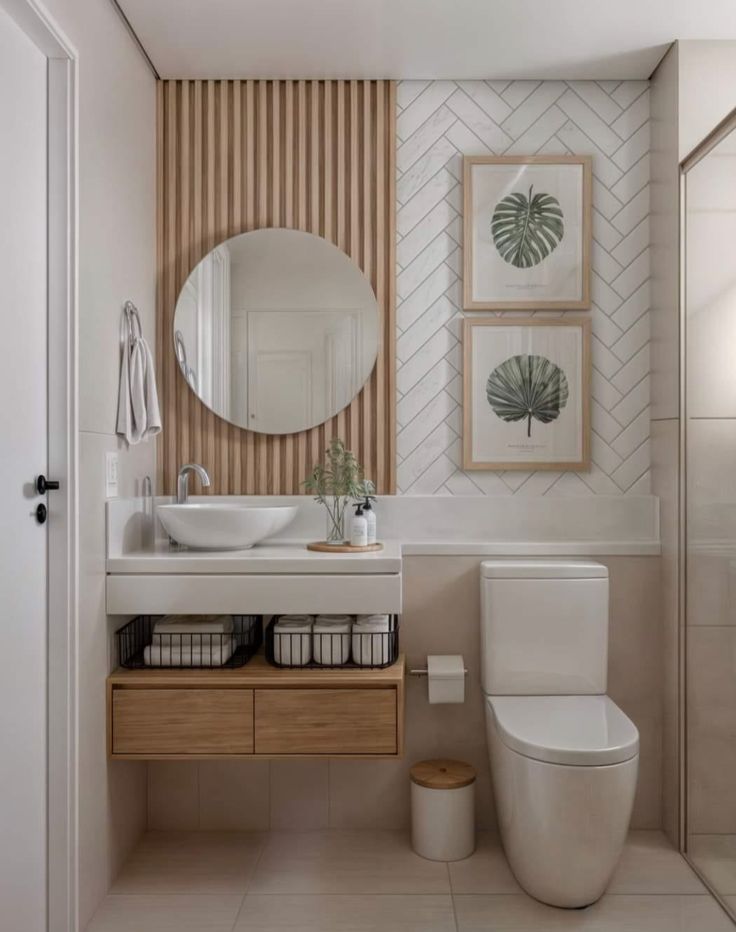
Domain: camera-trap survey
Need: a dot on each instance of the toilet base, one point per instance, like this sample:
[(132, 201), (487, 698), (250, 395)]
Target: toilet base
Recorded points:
[(563, 827)]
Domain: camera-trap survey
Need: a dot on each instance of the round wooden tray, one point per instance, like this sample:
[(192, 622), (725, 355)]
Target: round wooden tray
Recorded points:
[(321, 546)]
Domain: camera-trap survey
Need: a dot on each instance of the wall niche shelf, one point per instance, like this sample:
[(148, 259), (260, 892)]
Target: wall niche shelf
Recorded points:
[(256, 712)]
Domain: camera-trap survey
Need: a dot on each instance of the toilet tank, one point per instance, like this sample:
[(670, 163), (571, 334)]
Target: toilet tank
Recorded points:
[(544, 627)]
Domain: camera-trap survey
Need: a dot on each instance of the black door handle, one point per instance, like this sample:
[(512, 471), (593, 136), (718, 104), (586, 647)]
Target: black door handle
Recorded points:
[(44, 485)]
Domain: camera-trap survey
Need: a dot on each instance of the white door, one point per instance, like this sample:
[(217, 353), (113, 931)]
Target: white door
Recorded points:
[(23, 455)]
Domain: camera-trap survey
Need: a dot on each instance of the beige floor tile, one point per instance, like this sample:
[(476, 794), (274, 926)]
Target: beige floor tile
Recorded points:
[(611, 914), (166, 914), (346, 862), (715, 857), (650, 864), (191, 862), (731, 903), (485, 871), (367, 913)]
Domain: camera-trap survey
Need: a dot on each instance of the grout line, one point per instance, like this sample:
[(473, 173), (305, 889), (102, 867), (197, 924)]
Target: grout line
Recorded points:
[(452, 897)]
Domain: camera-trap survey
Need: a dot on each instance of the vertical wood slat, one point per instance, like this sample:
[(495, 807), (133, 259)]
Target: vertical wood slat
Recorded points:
[(235, 156)]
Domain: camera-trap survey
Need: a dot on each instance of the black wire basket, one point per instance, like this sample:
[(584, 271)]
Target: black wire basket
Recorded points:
[(357, 649), (139, 647)]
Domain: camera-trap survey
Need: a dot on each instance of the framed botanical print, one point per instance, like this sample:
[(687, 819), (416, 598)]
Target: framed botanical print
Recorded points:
[(526, 393), (527, 232)]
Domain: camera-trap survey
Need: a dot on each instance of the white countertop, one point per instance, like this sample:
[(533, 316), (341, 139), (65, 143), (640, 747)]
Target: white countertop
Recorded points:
[(273, 558)]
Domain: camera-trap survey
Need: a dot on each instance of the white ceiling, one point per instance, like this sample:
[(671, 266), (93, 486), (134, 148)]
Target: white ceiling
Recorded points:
[(419, 38)]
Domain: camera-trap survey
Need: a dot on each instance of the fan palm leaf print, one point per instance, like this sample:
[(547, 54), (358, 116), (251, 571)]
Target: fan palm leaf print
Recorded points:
[(530, 387)]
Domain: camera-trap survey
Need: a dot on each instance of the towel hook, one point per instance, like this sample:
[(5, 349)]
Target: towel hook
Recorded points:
[(130, 327)]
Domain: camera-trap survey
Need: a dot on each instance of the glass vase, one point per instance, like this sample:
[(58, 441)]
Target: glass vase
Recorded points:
[(336, 521)]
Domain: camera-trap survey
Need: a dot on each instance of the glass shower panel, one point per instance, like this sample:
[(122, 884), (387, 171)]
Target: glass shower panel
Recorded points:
[(710, 469)]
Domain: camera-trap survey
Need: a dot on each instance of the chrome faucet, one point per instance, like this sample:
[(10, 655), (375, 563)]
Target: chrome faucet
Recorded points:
[(182, 483)]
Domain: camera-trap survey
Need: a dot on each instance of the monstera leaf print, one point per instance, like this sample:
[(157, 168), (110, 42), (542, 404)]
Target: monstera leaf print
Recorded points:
[(525, 229), (528, 387)]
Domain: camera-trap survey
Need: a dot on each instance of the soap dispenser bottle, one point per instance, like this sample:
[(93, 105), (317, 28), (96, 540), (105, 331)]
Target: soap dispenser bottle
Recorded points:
[(370, 517), (359, 530)]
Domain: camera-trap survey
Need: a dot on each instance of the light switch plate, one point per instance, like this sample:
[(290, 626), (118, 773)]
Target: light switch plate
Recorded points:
[(111, 475)]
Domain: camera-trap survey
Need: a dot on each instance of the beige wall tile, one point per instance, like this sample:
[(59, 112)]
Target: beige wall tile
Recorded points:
[(665, 484), (711, 728), (635, 672), (173, 795), (113, 816), (234, 794), (441, 616), (299, 795)]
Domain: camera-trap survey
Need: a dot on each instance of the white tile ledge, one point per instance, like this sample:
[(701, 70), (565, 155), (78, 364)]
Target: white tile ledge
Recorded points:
[(505, 548)]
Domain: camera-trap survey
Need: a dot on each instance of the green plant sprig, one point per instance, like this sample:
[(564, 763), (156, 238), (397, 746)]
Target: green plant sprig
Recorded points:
[(337, 480)]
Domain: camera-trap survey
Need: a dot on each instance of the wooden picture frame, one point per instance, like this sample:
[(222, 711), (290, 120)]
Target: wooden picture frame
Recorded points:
[(486, 430), (568, 244)]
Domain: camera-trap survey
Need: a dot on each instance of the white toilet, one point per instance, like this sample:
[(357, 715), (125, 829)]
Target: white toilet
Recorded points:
[(564, 757)]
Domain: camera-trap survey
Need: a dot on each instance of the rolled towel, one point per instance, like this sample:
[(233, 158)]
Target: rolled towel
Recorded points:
[(372, 640), (292, 640), (331, 639), (194, 624), (184, 655)]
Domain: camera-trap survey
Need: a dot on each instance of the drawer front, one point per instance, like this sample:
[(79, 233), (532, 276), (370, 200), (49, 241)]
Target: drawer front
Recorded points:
[(160, 722), (325, 721)]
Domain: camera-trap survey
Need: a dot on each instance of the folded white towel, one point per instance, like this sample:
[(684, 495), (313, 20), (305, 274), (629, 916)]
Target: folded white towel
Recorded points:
[(194, 624), (333, 620), (373, 622), (297, 620), (139, 416), (214, 655)]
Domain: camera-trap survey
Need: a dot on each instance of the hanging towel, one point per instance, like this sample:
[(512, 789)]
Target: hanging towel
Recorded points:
[(139, 416)]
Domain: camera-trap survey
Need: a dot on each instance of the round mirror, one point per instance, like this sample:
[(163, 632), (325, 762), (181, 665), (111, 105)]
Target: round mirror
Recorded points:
[(276, 330)]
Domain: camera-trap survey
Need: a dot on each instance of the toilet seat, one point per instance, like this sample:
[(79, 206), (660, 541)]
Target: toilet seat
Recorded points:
[(575, 730)]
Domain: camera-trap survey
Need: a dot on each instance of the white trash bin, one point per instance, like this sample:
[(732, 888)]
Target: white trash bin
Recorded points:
[(443, 809)]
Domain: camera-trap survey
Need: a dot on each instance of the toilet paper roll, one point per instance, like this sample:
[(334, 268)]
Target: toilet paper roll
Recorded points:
[(446, 678)]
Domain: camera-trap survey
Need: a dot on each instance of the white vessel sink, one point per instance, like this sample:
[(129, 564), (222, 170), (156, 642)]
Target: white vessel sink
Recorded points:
[(223, 526)]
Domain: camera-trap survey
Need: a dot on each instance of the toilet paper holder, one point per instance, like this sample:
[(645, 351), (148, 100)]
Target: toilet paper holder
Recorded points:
[(446, 675)]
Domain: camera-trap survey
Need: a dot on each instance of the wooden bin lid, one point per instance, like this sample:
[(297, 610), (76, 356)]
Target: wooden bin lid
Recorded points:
[(442, 774)]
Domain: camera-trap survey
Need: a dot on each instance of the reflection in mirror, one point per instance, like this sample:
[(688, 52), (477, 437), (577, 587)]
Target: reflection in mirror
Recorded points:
[(276, 330)]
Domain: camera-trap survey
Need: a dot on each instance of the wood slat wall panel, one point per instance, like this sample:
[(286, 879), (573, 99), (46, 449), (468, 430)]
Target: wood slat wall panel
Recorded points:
[(234, 156)]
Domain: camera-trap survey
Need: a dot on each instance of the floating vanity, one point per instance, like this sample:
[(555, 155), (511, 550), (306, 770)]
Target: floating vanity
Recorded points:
[(257, 710)]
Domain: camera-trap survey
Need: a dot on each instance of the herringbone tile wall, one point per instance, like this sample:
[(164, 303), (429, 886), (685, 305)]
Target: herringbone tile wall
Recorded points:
[(438, 123)]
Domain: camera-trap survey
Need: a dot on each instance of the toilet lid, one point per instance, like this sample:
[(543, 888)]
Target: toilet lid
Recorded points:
[(577, 730)]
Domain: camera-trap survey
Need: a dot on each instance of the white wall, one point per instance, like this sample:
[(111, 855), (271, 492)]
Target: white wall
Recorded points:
[(117, 254), (707, 89)]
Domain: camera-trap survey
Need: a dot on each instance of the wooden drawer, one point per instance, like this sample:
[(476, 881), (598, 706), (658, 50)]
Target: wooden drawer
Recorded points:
[(174, 722), (326, 721)]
